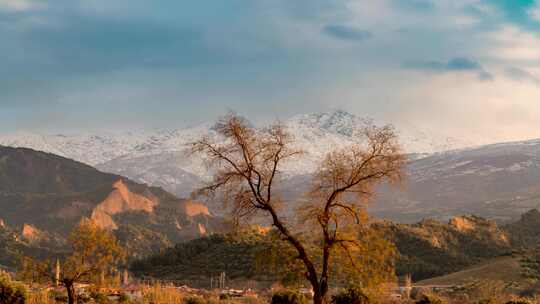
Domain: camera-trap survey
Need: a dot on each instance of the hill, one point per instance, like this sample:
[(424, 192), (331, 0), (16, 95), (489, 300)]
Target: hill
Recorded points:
[(426, 249), (498, 181), (195, 262), (432, 248), (525, 232), (42, 196), (14, 244), (506, 269)]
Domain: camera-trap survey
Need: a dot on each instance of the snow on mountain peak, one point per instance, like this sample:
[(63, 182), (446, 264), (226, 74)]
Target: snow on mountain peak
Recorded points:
[(159, 158), (338, 122)]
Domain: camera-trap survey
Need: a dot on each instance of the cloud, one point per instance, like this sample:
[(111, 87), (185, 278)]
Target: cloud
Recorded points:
[(534, 13), (417, 5), (511, 43), (18, 5), (519, 12), (183, 61), (458, 64), (343, 32), (521, 75)]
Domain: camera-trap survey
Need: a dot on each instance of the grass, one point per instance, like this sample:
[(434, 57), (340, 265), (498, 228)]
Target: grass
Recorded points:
[(39, 297), (160, 294)]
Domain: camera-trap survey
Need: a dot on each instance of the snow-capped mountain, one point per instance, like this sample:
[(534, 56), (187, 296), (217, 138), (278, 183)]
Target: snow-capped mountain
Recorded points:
[(498, 181), (159, 158)]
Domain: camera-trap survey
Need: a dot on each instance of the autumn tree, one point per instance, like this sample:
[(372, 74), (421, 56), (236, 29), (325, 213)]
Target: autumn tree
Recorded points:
[(94, 253), (247, 163)]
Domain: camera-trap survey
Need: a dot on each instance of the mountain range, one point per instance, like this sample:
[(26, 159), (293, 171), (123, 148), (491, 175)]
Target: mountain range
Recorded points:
[(499, 181), (445, 176), (158, 157), (43, 196)]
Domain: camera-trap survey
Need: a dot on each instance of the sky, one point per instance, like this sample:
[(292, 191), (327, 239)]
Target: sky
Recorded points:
[(463, 67)]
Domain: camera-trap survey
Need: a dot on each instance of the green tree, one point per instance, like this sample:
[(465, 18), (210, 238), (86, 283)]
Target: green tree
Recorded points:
[(530, 264), (11, 292), (248, 163), (94, 254)]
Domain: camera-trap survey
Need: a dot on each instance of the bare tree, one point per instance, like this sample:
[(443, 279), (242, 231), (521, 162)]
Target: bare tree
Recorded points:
[(248, 162)]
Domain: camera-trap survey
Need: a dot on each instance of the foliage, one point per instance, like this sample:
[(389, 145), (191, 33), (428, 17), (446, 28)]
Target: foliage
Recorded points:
[(11, 292), (94, 254), (123, 298), (530, 264), (487, 301), (160, 294), (430, 299), (351, 296), (288, 297), (41, 297), (99, 298), (431, 248), (194, 300), (195, 261), (370, 264)]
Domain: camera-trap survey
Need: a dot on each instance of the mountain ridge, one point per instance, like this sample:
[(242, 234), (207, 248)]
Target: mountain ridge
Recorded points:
[(46, 195)]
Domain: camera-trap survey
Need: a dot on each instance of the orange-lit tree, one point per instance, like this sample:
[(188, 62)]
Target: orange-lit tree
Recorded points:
[(247, 163), (94, 252)]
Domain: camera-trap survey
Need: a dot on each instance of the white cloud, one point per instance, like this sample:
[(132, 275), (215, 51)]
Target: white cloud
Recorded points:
[(511, 43), (534, 13), (19, 5)]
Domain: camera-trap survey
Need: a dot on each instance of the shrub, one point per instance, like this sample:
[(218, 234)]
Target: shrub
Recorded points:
[(40, 297), (158, 293), (123, 298), (100, 298), (487, 301), (194, 300), (430, 299), (352, 296), (59, 297), (288, 297), (11, 292)]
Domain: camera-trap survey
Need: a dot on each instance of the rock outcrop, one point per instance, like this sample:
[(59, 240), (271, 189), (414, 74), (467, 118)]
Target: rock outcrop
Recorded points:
[(192, 208), (31, 233), (120, 200)]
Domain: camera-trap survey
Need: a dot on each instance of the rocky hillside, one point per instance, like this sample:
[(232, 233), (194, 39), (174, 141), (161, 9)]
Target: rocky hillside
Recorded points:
[(525, 233), (431, 248), (15, 243), (43, 196)]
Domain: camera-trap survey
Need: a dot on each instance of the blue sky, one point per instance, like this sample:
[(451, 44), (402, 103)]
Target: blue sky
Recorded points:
[(460, 66)]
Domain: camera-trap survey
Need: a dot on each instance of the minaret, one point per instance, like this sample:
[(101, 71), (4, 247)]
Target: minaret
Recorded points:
[(57, 273), (408, 286)]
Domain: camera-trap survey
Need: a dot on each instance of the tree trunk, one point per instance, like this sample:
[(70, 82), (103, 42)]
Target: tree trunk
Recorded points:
[(319, 292), (72, 295), (318, 298)]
